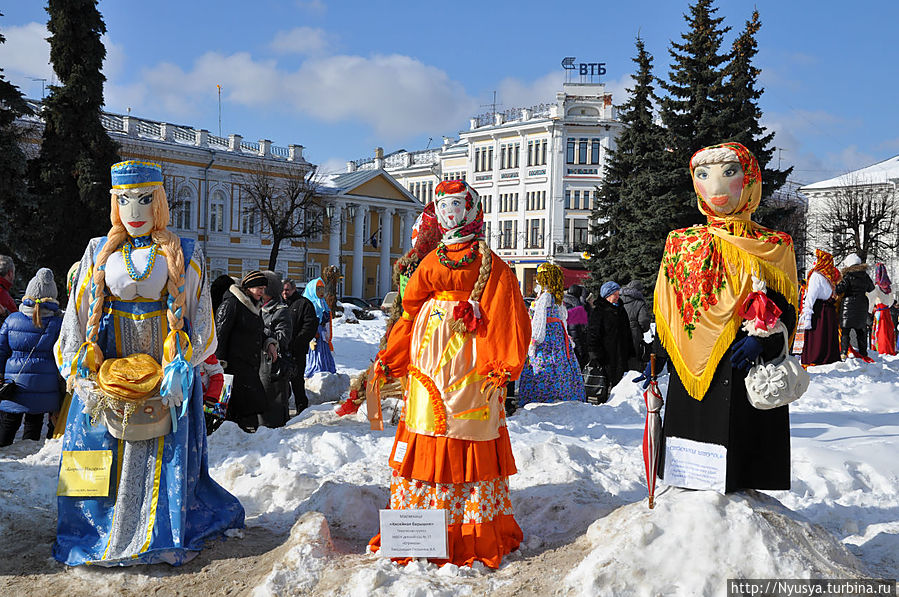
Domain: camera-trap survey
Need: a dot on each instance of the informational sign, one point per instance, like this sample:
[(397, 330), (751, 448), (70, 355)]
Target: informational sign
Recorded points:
[(413, 534), (695, 465), (85, 473)]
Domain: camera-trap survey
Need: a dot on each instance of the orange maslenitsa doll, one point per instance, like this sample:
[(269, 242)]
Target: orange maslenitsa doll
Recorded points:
[(463, 334)]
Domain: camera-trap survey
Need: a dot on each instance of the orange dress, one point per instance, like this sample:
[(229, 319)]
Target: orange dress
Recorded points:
[(452, 449)]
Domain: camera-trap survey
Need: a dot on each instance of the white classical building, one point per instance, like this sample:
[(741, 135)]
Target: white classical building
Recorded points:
[(537, 170), (368, 220), (880, 178)]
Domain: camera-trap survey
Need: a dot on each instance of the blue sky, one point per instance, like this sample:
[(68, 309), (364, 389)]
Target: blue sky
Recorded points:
[(342, 77)]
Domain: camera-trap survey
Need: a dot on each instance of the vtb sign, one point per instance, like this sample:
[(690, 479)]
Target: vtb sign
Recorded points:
[(584, 68)]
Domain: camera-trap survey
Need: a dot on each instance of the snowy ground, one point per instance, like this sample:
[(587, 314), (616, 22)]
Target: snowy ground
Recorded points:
[(312, 491)]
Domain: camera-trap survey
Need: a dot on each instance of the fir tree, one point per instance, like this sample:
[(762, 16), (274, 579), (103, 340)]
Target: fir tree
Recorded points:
[(633, 212), (15, 204), (694, 110), (745, 115), (71, 174)]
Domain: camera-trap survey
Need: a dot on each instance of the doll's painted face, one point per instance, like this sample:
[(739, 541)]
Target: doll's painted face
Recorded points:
[(136, 211), (320, 291), (719, 185), (450, 211)]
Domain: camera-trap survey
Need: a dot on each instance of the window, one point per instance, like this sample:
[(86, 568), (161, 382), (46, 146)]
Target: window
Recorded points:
[(576, 204), (487, 201), (248, 221), (535, 234), (531, 153), (537, 152), (543, 153), (316, 214), (567, 199), (313, 271), (183, 209), (430, 191), (509, 155), (579, 237), (594, 152), (217, 212), (507, 238), (569, 152), (490, 158), (582, 151)]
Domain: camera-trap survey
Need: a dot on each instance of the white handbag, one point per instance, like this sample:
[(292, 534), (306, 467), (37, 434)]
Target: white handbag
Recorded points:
[(778, 382)]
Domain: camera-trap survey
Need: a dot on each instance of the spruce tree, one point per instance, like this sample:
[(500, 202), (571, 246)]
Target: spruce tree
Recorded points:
[(694, 109), (15, 204), (742, 96), (635, 205), (71, 174)]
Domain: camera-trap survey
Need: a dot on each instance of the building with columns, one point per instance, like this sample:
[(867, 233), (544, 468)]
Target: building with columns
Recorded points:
[(367, 221), (537, 170)]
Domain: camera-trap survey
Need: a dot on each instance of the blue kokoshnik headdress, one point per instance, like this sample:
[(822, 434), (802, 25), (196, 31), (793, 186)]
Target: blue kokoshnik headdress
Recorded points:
[(132, 174)]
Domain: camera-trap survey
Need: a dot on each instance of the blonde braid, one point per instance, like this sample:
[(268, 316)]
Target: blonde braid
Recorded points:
[(114, 239), (484, 272), (170, 245), (457, 325)]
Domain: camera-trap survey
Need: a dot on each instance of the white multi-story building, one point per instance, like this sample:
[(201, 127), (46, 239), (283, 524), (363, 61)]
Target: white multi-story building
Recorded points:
[(367, 224), (879, 179), (537, 171)]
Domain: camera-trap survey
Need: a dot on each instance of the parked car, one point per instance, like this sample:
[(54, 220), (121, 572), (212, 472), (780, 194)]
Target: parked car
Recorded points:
[(375, 302), (387, 303), (359, 307)]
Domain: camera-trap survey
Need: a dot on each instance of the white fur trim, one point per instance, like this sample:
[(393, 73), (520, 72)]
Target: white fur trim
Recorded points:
[(243, 298), (777, 328)]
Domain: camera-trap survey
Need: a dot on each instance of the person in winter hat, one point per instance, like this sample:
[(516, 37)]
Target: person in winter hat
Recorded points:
[(609, 340), (273, 372), (26, 358), (7, 275), (241, 341), (854, 288)]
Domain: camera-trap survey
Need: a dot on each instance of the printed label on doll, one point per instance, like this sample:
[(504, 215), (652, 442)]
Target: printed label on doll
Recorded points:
[(695, 465), (413, 534), (84, 473), (400, 451)]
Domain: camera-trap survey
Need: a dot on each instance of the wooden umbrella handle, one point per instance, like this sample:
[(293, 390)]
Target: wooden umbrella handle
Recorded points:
[(652, 366)]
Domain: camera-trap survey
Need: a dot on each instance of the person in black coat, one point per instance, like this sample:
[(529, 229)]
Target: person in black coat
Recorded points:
[(241, 340), (854, 286), (273, 372), (304, 323), (609, 334), (638, 316)]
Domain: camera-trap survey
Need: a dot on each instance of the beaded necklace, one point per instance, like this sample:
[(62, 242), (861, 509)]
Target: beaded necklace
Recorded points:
[(465, 260), (127, 248)]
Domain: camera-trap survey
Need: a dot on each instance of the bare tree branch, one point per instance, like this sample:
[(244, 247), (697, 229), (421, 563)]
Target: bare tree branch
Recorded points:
[(861, 218), (288, 204)]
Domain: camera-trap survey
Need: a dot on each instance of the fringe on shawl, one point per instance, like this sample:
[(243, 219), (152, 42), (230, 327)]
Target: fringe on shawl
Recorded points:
[(774, 278)]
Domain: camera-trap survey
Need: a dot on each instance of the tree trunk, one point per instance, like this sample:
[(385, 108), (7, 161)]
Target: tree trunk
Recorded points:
[(273, 256)]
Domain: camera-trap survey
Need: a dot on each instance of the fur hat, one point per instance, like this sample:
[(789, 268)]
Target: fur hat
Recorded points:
[(609, 288), (42, 285), (254, 278)]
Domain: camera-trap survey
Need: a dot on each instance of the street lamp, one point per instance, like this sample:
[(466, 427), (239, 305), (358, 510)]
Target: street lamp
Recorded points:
[(351, 210), (330, 208)]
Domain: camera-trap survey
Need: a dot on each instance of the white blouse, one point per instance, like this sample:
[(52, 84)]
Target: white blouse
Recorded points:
[(120, 283)]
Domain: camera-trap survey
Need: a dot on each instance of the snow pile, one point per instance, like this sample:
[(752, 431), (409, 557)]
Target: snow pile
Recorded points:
[(307, 551), (693, 541), (326, 387), (312, 491)]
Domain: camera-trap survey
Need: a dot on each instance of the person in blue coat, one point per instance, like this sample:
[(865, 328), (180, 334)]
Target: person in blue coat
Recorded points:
[(26, 358)]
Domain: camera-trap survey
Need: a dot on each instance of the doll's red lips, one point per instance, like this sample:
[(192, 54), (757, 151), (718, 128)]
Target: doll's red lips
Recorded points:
[(137, 224), (720, 200)]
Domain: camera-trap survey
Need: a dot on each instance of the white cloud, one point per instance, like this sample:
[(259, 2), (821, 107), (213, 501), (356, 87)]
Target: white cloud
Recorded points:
[(332, 165), (396, 95), (26, 53), (316, 7), (300, 40)]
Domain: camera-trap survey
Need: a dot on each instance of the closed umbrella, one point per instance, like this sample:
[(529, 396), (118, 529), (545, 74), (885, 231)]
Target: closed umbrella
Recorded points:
[(652, 429)]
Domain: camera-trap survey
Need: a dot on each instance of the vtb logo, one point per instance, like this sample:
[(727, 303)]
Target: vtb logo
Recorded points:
[(584, 68)]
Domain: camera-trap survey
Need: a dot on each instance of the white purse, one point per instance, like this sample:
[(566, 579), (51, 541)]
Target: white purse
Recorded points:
[(778, 382)]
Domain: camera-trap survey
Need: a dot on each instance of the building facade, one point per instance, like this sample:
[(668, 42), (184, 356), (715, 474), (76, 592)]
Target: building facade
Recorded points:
[(366, 218), (875, 184), (537, 170)]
